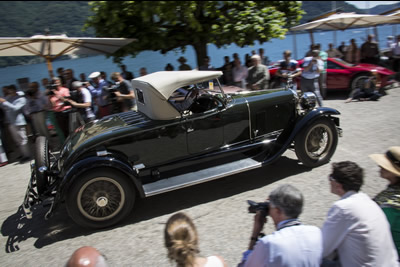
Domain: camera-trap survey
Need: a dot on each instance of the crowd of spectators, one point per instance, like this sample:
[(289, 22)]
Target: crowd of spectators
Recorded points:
[(64, 103)]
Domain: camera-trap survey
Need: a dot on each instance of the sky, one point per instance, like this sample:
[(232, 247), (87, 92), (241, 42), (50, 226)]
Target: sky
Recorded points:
[(370, 4)]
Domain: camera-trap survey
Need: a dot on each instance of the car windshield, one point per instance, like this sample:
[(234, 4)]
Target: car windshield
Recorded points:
[(344, 62), (183, 97)]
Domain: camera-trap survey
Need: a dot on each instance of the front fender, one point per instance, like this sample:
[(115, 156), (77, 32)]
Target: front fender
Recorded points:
[(287, 136), (95, 162), (311, 117)]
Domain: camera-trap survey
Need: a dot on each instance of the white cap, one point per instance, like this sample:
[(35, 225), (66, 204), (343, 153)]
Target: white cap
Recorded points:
[(94, 75)]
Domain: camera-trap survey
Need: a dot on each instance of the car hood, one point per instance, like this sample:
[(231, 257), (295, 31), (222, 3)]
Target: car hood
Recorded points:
[(369, 67), (97, 132)]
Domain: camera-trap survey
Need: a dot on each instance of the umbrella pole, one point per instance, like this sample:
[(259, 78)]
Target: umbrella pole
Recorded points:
[(376, 34), (49, 67), (311, 37), (295, 45)]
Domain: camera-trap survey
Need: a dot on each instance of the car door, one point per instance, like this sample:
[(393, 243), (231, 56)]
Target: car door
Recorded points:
[(337, 76), (204, 131)]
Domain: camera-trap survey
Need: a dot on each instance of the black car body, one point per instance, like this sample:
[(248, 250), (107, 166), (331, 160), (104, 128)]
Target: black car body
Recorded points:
[(187, 130)]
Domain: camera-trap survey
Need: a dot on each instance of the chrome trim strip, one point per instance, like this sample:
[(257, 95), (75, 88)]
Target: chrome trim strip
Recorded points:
[(248, 108)]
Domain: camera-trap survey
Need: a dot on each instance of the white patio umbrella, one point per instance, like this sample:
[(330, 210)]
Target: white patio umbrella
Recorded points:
[(344, 21), (52, 46)]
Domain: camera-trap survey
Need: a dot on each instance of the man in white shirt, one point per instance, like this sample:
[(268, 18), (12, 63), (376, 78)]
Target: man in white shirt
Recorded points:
[(83, 102), (240, 73), (312, 67), (356, 227), (292, 244)]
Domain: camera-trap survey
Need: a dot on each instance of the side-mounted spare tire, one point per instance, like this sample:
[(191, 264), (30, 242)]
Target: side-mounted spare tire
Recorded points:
[(100, 198), (316, 143), (42, 159)]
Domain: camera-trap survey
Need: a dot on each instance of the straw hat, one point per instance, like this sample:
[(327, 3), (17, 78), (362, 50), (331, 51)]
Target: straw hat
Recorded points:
[(390, 160)]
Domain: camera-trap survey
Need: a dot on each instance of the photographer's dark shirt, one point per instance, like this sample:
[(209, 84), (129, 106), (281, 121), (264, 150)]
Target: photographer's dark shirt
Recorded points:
[(125, 88)]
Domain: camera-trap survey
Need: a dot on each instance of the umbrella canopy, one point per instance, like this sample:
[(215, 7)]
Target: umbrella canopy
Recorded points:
[(52, 46), (344, 21)]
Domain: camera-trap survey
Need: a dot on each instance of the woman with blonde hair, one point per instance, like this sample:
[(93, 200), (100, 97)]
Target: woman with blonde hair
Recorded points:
[(181, 241)]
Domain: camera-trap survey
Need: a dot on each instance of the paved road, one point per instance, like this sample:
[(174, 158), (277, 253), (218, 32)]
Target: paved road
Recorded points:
[(219, 208)]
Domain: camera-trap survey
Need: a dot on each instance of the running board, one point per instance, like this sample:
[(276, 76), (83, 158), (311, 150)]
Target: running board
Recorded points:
[(198, 177)]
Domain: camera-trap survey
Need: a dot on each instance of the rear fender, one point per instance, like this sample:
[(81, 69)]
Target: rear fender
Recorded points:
[(286, 138), (96, 162)]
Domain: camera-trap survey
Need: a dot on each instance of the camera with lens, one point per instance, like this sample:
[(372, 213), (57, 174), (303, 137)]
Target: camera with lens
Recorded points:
[(51, 87), (73, 95), (111, 90), (113, 97), (258, 206)]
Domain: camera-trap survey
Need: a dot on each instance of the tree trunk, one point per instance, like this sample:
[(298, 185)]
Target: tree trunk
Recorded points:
[(201, 52)]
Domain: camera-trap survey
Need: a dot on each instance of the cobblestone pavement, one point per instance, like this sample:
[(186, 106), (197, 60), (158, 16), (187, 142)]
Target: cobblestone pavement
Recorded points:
[(218, 208)]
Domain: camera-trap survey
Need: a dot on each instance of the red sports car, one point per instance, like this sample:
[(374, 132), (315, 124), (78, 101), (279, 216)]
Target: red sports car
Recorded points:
[(345, 76)]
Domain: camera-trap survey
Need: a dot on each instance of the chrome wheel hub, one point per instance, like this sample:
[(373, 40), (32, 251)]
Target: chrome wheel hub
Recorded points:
[(102, 201)]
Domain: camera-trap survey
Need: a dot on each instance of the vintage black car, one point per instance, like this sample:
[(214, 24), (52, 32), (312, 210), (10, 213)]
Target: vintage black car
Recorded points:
[(186, 130)]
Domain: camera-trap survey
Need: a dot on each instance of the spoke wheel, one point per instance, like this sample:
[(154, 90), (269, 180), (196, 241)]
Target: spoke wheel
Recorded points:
[(100, 199), (315, 144)]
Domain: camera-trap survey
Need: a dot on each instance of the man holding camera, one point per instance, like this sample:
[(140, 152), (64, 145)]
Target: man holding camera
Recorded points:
[(292, 244), (313, 66), (102, 106), (82, 100), (124, 92)]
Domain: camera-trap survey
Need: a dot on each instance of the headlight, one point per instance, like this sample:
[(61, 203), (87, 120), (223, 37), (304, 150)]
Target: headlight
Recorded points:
[(308, 100)]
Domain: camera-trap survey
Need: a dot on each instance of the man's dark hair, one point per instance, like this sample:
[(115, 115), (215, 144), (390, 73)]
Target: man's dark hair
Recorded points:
[(288, 199), (348, 174), (12, 87)]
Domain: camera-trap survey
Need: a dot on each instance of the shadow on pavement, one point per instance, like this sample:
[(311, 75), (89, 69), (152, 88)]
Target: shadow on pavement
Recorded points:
[(60, 227)]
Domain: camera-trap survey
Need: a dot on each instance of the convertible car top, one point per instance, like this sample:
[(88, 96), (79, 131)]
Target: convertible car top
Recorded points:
[(153, 91)]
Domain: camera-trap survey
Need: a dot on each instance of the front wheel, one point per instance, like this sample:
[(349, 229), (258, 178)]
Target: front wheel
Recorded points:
[(100, 198), (315, 144)]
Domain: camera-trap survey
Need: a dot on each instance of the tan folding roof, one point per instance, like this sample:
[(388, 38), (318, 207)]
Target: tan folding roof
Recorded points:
[(157, 87)]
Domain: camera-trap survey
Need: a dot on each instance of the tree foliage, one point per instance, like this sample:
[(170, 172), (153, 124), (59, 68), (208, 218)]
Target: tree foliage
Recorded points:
[(168, 25)]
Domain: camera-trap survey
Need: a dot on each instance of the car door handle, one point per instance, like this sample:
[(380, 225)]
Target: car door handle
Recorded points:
[(189, 130)]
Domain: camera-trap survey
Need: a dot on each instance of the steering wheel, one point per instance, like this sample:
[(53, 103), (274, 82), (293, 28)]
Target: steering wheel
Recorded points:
[(189, 94)]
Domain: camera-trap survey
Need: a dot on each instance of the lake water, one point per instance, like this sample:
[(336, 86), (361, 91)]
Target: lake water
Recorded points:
[(155, 61)]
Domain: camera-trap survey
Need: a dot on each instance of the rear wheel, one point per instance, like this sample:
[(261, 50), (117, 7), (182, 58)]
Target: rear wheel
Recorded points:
[(100, 198), (315, 144), (41, 160)]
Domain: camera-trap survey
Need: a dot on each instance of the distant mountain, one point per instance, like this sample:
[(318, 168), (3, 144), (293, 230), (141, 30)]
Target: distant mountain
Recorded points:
[(382, 8), (314, 9)]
